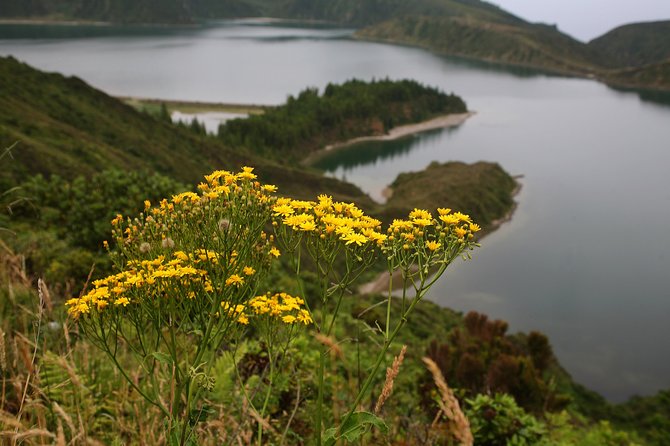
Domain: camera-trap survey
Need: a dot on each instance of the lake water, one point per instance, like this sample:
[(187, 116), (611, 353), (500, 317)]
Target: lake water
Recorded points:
[(586, 258)]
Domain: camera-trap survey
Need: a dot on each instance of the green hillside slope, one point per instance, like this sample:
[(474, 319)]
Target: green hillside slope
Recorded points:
[(532, 45), (466, 28), (654, 76), (635, 45), (62, 125)]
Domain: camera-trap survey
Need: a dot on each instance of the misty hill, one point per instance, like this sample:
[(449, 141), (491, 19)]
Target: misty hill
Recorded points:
[(519, 43), (64, 126), (466, 28), (654, 76), (635, 45)]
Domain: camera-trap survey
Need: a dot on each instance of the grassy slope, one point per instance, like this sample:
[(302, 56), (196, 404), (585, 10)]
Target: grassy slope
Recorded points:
[(64, 126), (635, 45), (466, 28), (483, 190), (537, 46)]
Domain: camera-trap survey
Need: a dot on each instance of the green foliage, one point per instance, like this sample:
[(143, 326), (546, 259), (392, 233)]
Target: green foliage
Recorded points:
[(566, 430), (480, 357), (519, 43), (634, 45), (80, 210), (483, 190), (498, 421), (310, 121)]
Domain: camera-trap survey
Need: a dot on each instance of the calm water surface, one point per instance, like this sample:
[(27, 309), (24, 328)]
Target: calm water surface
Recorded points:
[(586, 258)]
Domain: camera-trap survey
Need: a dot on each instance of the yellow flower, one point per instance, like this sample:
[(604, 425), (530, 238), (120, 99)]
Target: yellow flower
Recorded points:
[(422, 222), (475, 227), (462, 217), (443, 211), (288, 319), (246, 173), (353, 237), (269, 188), (275, 252), (460, 232), (243, 319), (420, 214), (249, 271), (234, 280), (122, 301), (283, 209), (433, 245), (304, 317), (449, 219), (307, 225)]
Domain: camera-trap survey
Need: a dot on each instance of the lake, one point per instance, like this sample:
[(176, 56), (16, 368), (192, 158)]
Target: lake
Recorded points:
[(586, 257)]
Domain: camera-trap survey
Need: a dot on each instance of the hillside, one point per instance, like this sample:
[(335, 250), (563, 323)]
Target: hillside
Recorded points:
[(634, 45), (653, 76), (483, 190), (62, 125), (531, 45), (466, 28)]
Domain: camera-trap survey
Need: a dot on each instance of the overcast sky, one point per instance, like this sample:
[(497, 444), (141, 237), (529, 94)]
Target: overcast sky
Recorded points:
[(586, 19)]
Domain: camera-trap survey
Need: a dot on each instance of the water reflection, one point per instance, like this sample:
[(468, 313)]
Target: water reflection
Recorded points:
[(653, 96), (370, 152)]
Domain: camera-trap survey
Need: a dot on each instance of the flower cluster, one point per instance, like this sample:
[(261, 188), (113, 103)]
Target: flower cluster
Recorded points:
[(424, 240), (209, 245), (144, 279), (229, 210), (279, 306), (330, 220)]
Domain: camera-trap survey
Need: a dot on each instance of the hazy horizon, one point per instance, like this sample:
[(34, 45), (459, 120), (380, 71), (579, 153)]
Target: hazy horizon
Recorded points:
[(586, 20)]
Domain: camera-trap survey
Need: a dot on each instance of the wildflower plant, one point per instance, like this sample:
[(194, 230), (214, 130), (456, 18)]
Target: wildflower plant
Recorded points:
[(419, 249), (189, 269)]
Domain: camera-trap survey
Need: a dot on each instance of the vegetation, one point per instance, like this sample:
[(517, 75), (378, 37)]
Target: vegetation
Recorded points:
[(466, 28), (634, 45), (64, 378), (484, 189), (62, 126), (309, 121), (65, 382), (520, 43)]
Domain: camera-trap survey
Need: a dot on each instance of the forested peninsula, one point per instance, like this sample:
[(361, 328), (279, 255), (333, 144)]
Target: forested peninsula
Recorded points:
[(312, 120)]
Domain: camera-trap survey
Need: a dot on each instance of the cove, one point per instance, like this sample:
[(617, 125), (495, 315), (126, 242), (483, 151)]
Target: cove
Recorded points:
[(584, 259)]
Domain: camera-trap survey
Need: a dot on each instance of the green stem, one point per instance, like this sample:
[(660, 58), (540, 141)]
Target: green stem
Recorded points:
[(368, 382), (267, 398)]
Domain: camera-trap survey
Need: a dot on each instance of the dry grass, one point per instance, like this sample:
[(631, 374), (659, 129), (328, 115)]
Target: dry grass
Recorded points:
[(449, 406), (391, 374)]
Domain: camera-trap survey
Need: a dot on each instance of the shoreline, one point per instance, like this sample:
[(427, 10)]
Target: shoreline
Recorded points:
[(444, 121), (401, 131)]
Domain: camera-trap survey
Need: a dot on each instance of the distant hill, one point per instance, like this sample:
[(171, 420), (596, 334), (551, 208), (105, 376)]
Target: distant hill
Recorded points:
[(516, 43), (62, 125), (466, 28), (119, 11), (653, 76), (634, 45)]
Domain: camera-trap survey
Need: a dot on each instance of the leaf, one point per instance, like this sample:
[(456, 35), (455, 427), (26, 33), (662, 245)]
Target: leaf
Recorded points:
[(357, 424), (162, 358)]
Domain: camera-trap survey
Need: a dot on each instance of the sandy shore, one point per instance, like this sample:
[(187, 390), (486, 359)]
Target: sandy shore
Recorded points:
[(451, 120)]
